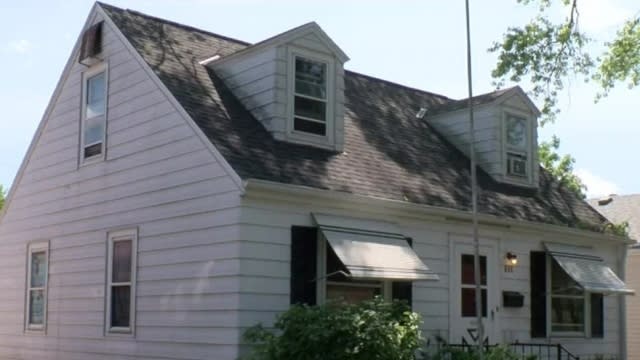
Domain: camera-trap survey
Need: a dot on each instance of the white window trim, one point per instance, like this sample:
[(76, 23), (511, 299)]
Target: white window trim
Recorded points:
[(36, 247), (115, 236), (321, 278), (528, 152), (328, 140), (587, 309), (86, 75)]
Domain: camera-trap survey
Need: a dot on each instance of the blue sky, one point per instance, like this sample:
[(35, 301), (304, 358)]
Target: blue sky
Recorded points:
[(417, 43)]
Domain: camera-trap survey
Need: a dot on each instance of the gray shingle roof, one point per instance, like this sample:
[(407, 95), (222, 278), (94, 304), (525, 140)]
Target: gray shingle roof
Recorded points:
[(620, 208), (478, 100), (389, 153)]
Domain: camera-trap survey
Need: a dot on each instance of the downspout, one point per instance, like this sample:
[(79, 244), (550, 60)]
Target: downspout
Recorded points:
[(622, 302)]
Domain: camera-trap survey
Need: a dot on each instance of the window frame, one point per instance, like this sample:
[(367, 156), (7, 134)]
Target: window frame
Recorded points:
[(326, 140), (527, 152), (113, 237), (385, 285), (35, 247), (586, 297), (91, 72)]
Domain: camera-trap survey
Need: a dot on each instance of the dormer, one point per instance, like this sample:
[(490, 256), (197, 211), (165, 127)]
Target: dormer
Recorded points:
[(293, 83), (506, 139)]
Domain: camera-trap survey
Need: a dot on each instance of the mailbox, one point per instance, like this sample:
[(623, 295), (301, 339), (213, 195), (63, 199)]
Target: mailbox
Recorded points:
[(512, 299)]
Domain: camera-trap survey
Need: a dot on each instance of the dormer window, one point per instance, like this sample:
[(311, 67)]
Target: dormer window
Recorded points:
[(517, 141), (293, 83), (310, 96)]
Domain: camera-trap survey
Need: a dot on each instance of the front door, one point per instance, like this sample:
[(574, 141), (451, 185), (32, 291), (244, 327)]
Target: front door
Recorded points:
[(462, 311)]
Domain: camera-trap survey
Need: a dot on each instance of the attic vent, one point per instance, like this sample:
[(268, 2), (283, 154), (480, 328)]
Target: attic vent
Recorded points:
[(516, 164), (91, 44), (209, 60), (421, 113)]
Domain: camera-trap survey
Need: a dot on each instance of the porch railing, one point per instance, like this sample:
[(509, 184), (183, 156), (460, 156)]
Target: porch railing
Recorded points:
[(527, 350)]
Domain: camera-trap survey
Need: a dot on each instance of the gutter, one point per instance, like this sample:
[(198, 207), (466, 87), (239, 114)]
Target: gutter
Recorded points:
[(254, 187)]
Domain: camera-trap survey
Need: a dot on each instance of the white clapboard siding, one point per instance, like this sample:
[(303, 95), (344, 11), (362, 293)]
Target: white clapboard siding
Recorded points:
[(158, 177), (266, 233)]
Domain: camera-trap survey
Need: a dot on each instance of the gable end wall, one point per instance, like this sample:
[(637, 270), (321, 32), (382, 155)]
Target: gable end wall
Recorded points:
[(160, 178)]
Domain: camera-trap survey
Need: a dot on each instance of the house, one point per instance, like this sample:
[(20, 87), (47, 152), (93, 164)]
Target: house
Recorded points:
[(619, 209), (183, 186)]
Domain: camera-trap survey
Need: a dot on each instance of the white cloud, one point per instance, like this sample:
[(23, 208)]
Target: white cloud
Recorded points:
[(19, 46), (600, 15), (596, 185)]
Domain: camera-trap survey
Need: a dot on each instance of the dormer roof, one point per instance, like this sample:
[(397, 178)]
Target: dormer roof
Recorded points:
[(388, 152), (310, 28), (491, 98)]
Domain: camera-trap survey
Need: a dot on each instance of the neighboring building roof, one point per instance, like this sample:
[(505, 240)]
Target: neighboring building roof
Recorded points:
[(389, 153), (620, 208)]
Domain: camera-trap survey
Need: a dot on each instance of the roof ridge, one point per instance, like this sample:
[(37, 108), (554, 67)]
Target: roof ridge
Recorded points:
[(241, 42), (397, 84), (173, 23)]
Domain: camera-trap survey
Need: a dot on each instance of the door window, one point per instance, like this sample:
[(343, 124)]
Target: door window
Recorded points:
[(468, 287)]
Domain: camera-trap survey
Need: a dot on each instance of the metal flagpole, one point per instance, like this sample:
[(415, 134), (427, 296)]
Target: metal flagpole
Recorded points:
[(474, 195)]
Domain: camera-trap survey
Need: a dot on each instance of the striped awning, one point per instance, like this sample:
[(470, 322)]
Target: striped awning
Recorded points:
[(379, 251), (587, 269)]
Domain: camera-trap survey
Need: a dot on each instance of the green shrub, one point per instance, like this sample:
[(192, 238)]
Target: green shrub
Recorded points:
[(372, 330), (446, 352)]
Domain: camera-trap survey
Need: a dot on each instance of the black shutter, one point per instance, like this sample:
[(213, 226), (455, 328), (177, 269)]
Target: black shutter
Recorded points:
[(597, 315), (538, 278), (304, 250), (91, 42), (403, 290)]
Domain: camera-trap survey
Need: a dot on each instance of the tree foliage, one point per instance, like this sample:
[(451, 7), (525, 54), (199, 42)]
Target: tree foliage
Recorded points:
[(548, 54), (621, 62), (560, 166), (372, 330), (2, 194)]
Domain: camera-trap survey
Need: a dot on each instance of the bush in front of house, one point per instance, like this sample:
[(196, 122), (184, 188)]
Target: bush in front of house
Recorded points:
[(446, 352), (371, 330)]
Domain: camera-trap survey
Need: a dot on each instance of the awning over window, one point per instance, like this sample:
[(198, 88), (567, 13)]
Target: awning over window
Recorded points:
[(372, 250), (587, 269)]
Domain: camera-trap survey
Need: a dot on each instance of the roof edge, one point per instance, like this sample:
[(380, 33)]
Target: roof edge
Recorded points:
[(517, 91), (442, 213), (174, 102), (47, 112), (173, 23), (310, 27)]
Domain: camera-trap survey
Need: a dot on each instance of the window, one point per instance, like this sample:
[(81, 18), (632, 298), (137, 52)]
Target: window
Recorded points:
[(37, 278), (316, 277), (567, 302), (94, 114), (560, 305), (517, 146), (121, 281), (310, 96), (337, 286), (468, 287)]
